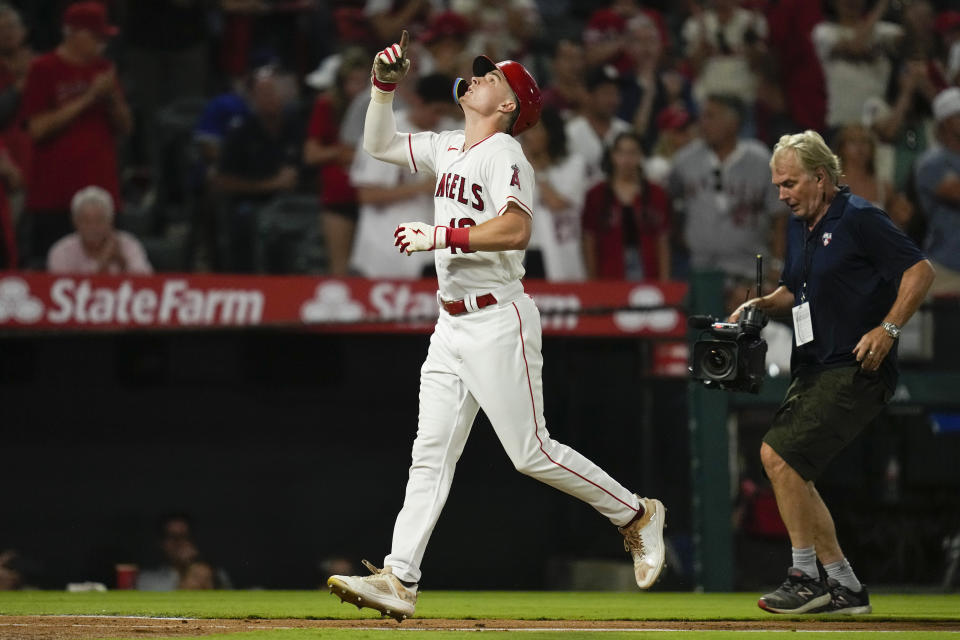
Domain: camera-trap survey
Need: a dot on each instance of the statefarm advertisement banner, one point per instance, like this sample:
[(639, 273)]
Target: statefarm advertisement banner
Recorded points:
[(40, 301)]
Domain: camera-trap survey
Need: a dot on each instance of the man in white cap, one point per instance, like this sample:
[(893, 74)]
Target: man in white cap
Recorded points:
[(938, 188)]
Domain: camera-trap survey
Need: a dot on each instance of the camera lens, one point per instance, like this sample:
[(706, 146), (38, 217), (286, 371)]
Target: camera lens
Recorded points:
[(717, 362)]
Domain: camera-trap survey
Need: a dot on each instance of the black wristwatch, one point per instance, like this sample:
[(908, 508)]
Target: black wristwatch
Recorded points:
[(892, 330)]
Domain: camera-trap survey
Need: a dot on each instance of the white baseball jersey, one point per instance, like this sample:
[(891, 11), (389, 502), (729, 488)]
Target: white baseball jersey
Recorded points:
[(730, 206), (373, 254), (558, 233), (473, 186)]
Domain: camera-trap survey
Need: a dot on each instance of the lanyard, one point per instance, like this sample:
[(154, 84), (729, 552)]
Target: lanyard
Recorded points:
[(817, 231), (808, 258)]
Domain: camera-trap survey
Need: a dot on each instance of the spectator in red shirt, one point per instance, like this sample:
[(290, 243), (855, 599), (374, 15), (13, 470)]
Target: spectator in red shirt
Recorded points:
[(74, 109), (626, 220), (10, 180), (323, 148)]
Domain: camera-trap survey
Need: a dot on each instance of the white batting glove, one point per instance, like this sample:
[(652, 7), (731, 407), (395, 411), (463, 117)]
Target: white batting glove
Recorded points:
[(390, 66), (420, 236)]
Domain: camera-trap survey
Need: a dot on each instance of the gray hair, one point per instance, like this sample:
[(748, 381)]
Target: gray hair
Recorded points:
[(92, 195), (811, 152)]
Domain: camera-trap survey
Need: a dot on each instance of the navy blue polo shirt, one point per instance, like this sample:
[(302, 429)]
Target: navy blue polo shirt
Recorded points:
[(851, 263)]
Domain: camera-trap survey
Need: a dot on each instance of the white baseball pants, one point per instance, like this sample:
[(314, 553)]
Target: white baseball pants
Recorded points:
[(490, 358)]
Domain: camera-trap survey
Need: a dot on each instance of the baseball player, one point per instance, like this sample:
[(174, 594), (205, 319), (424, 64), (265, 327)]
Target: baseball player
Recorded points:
[(485, 349)]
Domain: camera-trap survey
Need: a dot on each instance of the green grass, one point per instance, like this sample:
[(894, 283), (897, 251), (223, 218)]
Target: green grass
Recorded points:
[(354, 634), (529, 605), (470, 606)]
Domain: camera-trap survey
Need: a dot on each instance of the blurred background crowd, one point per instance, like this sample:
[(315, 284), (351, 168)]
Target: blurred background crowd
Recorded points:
[(222, 135)]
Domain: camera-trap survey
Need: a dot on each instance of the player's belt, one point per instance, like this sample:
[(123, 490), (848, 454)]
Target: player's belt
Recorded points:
[(457, 307)]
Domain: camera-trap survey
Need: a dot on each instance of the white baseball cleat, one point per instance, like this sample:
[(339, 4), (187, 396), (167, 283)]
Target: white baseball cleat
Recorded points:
[(382, 591), (643, 539)]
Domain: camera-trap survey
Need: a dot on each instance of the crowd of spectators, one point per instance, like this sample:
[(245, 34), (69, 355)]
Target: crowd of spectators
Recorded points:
[(170, 559), (197, 117)]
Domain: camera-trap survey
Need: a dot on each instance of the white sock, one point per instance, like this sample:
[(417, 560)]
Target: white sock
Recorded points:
[(806, 560), (842, 572)]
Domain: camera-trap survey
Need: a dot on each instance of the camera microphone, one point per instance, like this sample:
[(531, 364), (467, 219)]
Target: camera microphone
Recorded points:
[(700, 322), (759, 274)]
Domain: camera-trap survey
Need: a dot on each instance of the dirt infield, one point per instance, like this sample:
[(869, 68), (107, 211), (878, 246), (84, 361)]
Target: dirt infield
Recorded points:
[(84, 627)]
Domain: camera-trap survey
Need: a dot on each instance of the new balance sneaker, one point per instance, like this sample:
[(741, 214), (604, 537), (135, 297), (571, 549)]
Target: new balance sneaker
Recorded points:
[(382, 591), (846, 601), (799, 593), (643, 540)]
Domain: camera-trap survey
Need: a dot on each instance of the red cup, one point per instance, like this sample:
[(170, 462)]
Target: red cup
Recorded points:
[(127, 576)]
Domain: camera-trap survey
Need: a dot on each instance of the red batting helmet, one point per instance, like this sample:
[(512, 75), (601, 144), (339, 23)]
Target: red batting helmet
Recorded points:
[(529, 101)]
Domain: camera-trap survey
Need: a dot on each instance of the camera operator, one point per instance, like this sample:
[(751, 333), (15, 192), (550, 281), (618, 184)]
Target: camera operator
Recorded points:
[(851, 279)]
